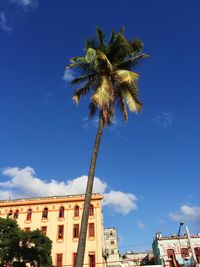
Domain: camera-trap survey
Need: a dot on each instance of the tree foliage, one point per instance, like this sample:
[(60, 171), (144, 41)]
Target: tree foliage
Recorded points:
[(106, 73), (18, 247)]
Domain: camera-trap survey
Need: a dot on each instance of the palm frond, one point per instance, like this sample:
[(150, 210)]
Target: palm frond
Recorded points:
[(137, 45), (119, 49), (112, 37), (91, 43), (107, 115), (125, 76), (121, 103), (90, 55), (81, 92), (103, 62), (131, 61), (132, 103), (104, 93), (92, 109), (77, 59), (84, 78), (101, 38), (77, 62)]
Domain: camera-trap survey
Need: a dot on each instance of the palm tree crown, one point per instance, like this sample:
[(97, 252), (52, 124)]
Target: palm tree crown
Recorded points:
[(106, 73)]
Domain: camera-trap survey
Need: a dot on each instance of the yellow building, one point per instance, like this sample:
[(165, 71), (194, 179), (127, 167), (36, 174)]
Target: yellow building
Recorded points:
[(59, 218)]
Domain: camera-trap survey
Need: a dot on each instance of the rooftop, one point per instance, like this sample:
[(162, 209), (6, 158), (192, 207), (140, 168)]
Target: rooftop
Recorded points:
[(50, 199), (177, 237)]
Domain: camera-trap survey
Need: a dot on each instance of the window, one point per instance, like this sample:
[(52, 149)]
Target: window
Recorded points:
[(112, 242), (60, 231), (44, 230), (16, 214), (27, 229), (45, 213), (197, 253), (59, 260), (61, 212), (10, 213), (29, 215), (91, 210), (184, 253), (91, 260), (76, 211), (91, 229), (74, 258), (76, 231)]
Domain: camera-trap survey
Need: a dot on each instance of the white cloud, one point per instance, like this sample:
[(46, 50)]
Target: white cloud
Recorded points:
[(3, 22), (164, 120), (140, 224), (25, 183), (121, 202), (25, 3), (68, 75), (186, 213)]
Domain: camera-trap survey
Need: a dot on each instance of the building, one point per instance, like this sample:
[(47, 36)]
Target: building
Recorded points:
[(175, 250), (111, 252), (139, 258), (59, 218)]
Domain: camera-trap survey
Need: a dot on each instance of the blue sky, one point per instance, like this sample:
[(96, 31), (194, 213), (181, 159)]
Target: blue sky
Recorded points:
[(149, 168)]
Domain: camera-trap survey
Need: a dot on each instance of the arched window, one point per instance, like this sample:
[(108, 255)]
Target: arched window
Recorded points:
[(61, 212), (185, 253), (10, 213), (91, 210), (16, 214), (45, 213), (197, 252), (76, 211), (29, 215)]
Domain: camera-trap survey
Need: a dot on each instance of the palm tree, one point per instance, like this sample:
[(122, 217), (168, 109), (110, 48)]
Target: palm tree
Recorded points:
[(105, 73)]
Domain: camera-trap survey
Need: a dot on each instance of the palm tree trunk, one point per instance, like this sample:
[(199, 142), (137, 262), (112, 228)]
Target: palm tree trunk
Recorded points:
[(88, 195)]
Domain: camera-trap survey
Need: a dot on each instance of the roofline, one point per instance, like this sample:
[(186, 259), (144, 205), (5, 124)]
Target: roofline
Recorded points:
[(177, 237), (47, 200)]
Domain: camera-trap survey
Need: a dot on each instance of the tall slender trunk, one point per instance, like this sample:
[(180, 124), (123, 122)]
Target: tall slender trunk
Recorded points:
[(88, 195)]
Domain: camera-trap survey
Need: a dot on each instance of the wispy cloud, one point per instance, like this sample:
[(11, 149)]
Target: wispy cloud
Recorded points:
[(4, 23), (164, 120), (89, 123), (68, 75), (19, 7), (140, 224), (25, 3), (25, 183), (186, 213), (48, 98), (93, 123)]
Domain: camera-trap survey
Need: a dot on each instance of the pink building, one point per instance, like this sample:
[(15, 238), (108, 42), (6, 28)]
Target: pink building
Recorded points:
[(175, 250)]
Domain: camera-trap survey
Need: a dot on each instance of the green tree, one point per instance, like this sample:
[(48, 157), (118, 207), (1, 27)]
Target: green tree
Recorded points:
[(35, 248), (18, 247), (106, 74), (10, 235)]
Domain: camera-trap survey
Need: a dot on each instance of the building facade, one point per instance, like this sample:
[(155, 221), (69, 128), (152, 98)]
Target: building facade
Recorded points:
[(59, 218), (175, 250), (138, 258), (111, 251)]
